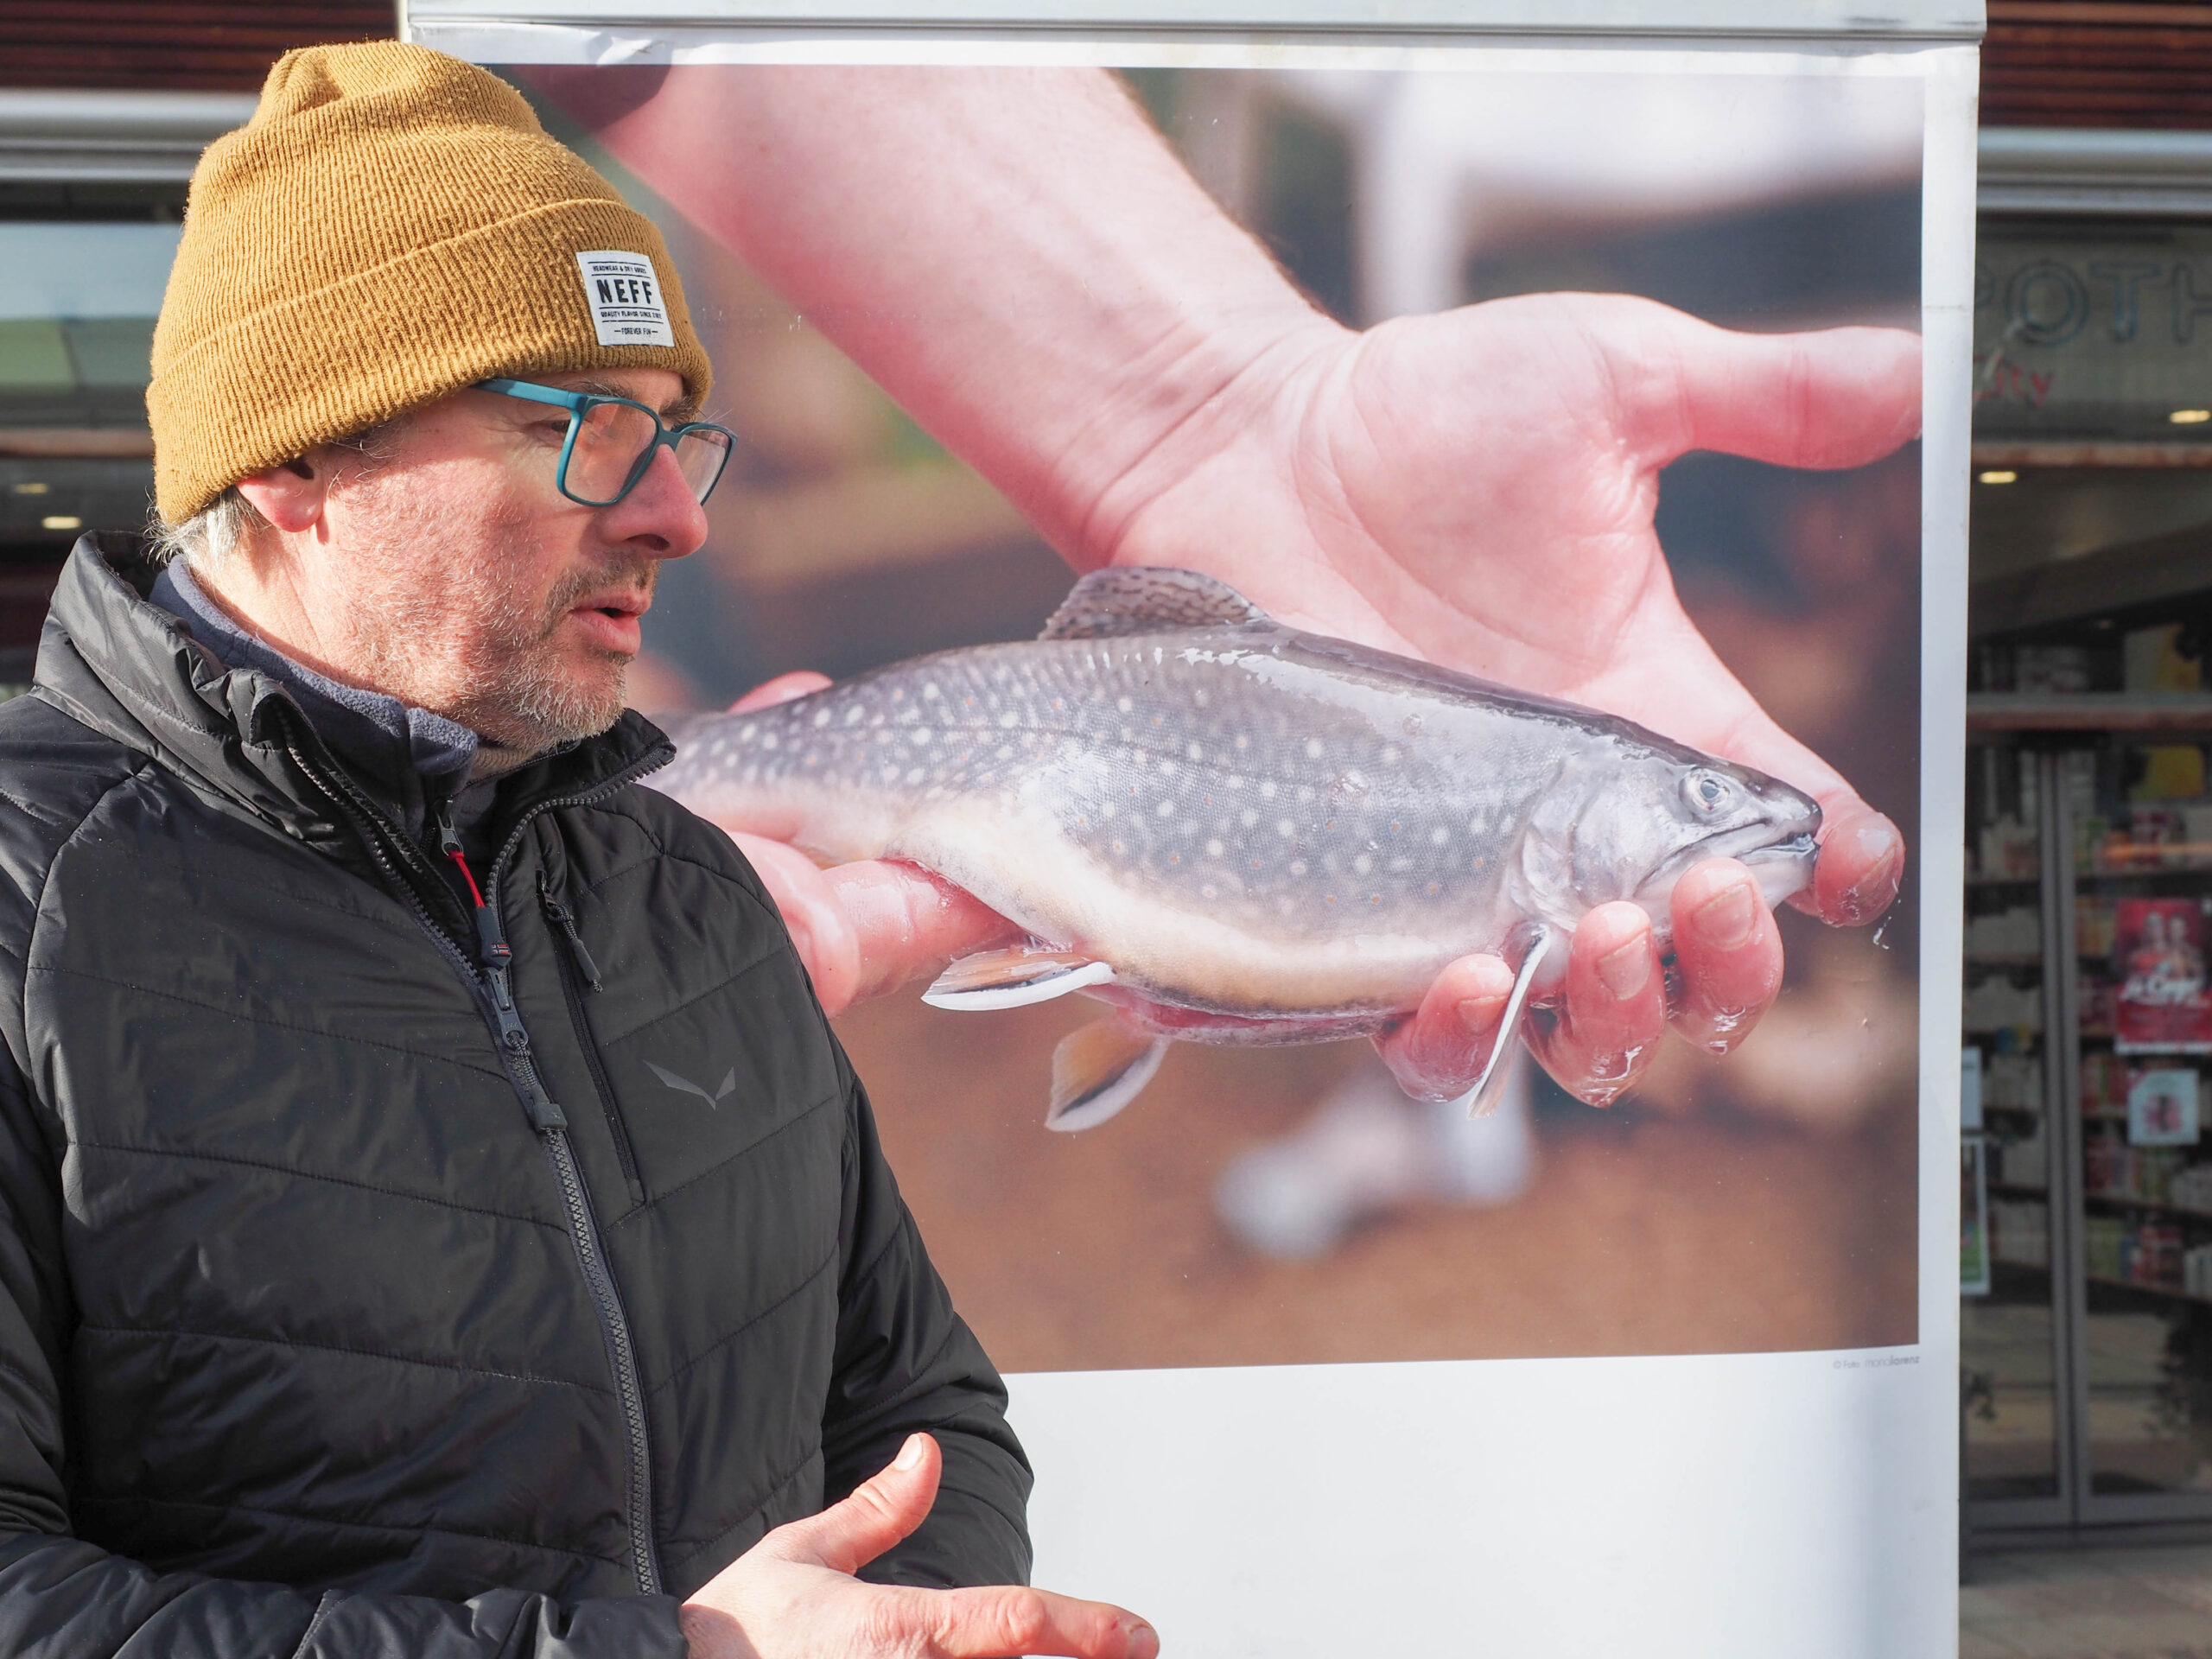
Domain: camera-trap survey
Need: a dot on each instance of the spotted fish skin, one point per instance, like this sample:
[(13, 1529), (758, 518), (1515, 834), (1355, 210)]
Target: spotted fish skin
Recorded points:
[(1245, 820)]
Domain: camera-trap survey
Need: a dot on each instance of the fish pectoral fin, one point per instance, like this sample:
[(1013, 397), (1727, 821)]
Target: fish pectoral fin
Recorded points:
[(1483, 1099), (1014, 977), (1147, 598), (1098, 1070)]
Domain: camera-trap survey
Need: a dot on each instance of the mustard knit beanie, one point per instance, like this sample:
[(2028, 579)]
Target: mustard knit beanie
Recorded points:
[(391, 225)]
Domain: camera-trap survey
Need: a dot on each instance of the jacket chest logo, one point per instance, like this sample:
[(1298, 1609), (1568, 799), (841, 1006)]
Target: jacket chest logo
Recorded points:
[(686, 1086)]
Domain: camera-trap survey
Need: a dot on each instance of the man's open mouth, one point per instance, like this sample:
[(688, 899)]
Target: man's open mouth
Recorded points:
[(619, 607)]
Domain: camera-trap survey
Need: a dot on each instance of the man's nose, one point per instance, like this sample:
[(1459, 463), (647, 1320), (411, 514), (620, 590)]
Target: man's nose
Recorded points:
[(660, 518)]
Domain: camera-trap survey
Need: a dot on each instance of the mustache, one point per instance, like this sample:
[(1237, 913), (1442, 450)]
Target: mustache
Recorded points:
[(634, 572)]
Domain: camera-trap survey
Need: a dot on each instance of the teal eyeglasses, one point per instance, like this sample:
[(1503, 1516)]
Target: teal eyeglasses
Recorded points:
[(612, 442)]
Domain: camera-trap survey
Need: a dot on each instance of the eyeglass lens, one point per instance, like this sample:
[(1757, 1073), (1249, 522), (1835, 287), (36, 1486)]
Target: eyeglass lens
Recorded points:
[(701, 456), (611, 439)]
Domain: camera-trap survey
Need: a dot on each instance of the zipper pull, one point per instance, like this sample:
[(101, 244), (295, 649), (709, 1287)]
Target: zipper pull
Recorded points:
[(544, 1112), (491, 939), (565, 919)]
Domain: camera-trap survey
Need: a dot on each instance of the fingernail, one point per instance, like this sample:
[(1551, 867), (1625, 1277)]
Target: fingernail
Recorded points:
[(1623, 970), (1724, 921), (1144, 1642), (1478, 1013), (910, 1455)]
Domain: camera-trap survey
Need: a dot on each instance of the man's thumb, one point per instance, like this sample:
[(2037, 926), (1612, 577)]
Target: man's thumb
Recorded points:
[(881, 1511)]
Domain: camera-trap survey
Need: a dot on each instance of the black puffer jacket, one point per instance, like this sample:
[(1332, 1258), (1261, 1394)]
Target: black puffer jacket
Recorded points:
[(347, 1310)]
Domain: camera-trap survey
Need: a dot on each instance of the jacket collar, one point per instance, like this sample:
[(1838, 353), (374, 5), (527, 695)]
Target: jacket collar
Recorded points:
[(134, 671)]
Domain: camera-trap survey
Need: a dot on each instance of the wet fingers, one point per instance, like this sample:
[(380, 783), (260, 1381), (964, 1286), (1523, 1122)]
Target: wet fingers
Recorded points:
[(1856, 876), (1439, 1051), (1727, 955), (1604, 1033)]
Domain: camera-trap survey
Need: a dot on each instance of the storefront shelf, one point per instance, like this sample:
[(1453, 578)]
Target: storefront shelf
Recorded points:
[(2147, 713), (2148, 872)]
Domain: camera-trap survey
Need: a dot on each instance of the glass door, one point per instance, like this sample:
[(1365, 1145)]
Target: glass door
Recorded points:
[(2014, 1355), (2137, 819)]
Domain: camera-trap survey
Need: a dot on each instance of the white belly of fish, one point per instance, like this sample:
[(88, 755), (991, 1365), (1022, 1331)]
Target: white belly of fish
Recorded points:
[(1015, 857)]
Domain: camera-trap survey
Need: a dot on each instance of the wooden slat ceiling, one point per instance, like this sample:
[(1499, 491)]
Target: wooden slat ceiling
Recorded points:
[(2097, 63), (171, 45)]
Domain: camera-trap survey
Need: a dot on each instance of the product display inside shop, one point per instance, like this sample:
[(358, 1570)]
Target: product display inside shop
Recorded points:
[(2088, 1345)]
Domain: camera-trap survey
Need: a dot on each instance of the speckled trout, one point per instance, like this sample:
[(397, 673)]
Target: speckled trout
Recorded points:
[(1231, 830)]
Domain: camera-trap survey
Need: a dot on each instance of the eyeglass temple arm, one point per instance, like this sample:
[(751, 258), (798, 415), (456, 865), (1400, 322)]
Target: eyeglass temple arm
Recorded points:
[(535, 394)]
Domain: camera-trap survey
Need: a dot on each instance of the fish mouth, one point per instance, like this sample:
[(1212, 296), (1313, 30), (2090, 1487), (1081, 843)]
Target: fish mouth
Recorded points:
[(1781, 866)]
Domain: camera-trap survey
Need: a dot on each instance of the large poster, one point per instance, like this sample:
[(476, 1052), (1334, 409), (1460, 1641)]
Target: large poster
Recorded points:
[(1309, 1365)]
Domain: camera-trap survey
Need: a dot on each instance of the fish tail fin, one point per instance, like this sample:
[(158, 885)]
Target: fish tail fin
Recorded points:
[(1097, 1069), (1483, 1099)]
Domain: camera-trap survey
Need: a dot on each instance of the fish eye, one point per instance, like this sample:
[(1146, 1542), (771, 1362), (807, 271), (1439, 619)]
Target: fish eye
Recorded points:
[(1705, 792)]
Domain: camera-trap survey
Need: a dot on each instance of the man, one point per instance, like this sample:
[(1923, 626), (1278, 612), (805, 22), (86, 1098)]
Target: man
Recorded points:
[(437, 1219)]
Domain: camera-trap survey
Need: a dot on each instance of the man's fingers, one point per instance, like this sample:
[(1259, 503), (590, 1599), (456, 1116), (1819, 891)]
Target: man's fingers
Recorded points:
[(783, 689), (1007, 1621), (1605, 1033), (1856, 876), (875, 1515), (1727, 952), (1837, 397), (1438, 1052)]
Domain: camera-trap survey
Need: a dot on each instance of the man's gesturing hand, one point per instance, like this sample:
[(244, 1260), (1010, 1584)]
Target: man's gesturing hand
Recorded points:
[(793, 1595)]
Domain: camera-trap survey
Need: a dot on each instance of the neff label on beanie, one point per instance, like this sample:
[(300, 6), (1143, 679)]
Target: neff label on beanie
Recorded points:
[(623, 294)]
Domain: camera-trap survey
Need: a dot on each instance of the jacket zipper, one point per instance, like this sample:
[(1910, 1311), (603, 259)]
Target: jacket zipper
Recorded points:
[(494, 997), (578, 971), (552, 1126)]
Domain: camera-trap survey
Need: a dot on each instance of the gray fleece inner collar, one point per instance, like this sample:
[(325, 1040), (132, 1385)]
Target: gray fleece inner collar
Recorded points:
[(384, 736)]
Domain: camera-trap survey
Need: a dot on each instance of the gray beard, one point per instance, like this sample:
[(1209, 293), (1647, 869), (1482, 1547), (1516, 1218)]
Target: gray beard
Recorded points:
[(513, 689)]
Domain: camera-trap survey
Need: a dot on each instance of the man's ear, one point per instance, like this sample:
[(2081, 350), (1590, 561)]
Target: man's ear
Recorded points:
[(289, 496)]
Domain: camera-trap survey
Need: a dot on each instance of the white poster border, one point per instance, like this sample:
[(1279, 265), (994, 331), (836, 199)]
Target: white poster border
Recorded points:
[(1700, 1504)]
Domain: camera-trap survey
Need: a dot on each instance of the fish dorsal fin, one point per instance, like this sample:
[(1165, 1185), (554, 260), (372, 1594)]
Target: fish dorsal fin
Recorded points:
[(1147, 598), (1097, 1069), (1014, 977)]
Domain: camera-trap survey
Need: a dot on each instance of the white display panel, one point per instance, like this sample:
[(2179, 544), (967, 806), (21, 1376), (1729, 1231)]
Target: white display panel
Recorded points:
[(1710, 1504), (1678, 1508)]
